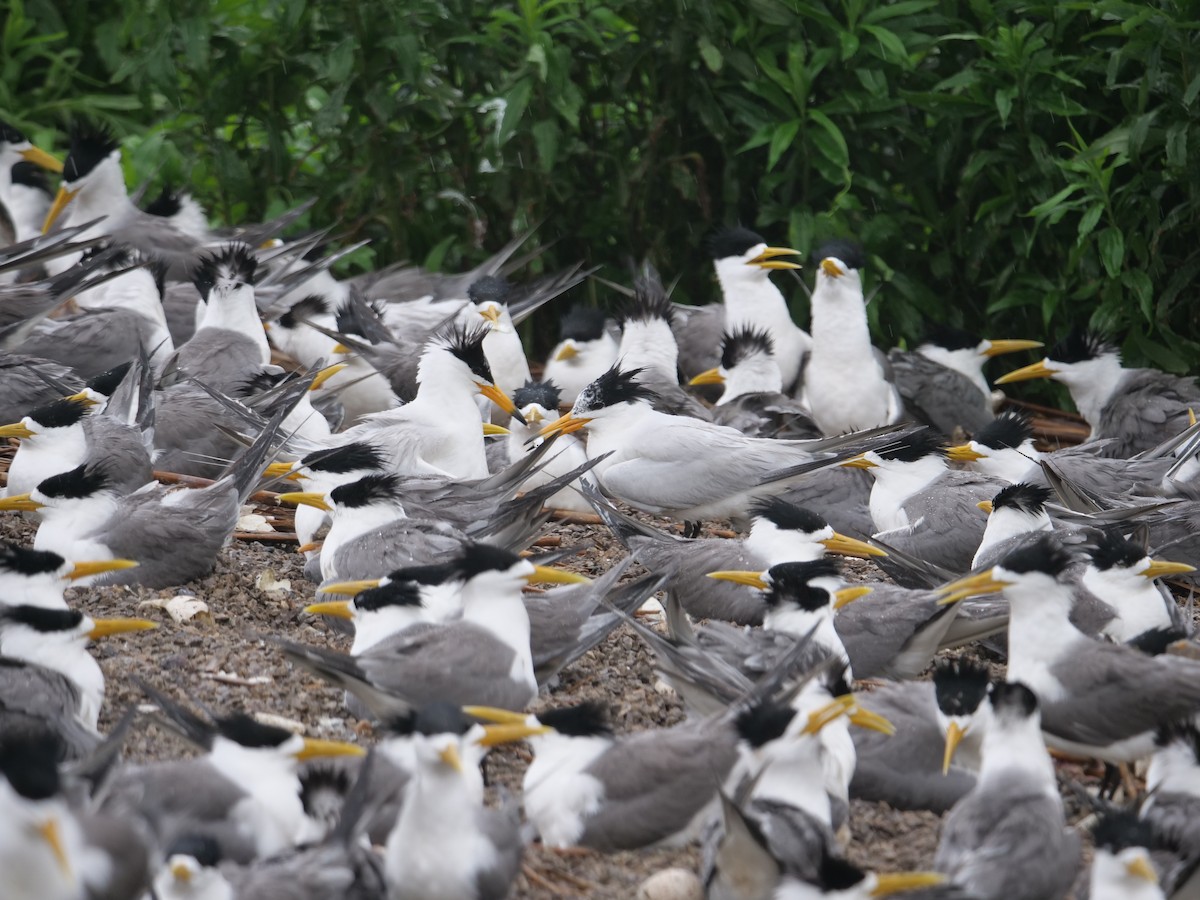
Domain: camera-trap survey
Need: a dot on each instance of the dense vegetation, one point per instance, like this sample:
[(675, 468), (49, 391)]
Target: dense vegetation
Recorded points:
[(1015, 165)]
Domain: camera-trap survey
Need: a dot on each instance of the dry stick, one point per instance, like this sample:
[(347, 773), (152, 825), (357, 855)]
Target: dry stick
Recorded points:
[(575, 518)]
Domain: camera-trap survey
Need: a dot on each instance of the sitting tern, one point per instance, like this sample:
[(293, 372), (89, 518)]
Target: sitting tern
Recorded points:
[(31, 577), (586, 349), (538, 402), (1172, 805), (1121, 867)]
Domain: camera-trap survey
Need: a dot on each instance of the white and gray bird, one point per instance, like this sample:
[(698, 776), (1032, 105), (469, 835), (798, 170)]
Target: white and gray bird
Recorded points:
[(585, 351)]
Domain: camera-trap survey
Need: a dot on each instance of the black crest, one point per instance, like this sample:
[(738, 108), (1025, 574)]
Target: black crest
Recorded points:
[(732, 242), (476, 559), (368, 489), (589, 719), (437, 573), (960, 685), (1012, 696), (394, 593), (1157, 641), (848, 251), (544, 393), (30, 763), (1183, 732), (47, 621), (613, 387), (1113, 550), (441, 718), (1045, 554), (165, 205), (650, 302), (1007, 431), (31, 176), (935, 334), (10, 134), (582, 323), (791, 582), (203, 848), (1120, 829), (27, 561), (90, 146), (1023, 497), (1080, 345), (921, 443), (788, 516), (106, 383), (353, 457), (249, 732), (837, 874), (312, 305), (60, 413), (742, 344), (764, 723), (489, 288), (466, 343), (82, 481), (236, 263)]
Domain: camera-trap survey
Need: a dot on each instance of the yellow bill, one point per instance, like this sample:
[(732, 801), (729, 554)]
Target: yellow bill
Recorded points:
[(971, 586), (349, 588), (310, 546), (828, 713), (490, 430), (305, 498), (99, 567), (768, 258), (20, 502), (556, 576), (339, 609), (954, 736), (832, 269), (497, 715), (712, 376), (872, 721), (566, 351), (986, 506), (102, 628), (64, 196), (325, 374), (1029, 373), (41, 158), (1140, 867), (49, 832), (848, 546), (848, 595), (491, 312), (1160, 568), (16, 430), (999, 348), (751, 579), (494, 735), (858, 462), (449, 756), (315, 748), (965, 453), (563, 425), (282, 470), (502, 400), (897, 882)]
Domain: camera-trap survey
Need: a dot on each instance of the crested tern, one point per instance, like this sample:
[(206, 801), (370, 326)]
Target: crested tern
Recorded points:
[(1121, 867), (586, 349)]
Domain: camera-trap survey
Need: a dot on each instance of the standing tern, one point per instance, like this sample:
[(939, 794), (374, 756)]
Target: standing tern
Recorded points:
[(15, 148), (502, 346), (1007, 837), (846, 384), (586, 349)]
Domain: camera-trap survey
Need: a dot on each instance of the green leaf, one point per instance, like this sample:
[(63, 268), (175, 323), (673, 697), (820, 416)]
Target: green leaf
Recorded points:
[(781, 140), (1088, 221), (1193, 90), (1004, 102), (1112, 251), (1139, 284), (1046, 207), (829, 139), (545, 139), (893, 48), (710, 54), (516, 102)]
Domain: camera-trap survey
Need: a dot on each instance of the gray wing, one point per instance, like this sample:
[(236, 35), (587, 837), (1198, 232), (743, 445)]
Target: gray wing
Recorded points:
[(91, 342), (127, 853), (180, 300), (938, 395), (672, 399), (1009, 842), (1148, 408), (893, 632), (406, 542), (698, 331), (155, 236), (1175, 817), (945, 524), (124, 455), (321, 873), (654, 783), (225, 359), (689, 563), (841, 496), (186, 438), (34, 698), (796, 839), (502, 828), (22, 388)]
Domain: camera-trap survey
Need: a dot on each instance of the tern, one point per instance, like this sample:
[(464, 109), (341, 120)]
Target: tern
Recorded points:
[(15, 148), (1015, 515), (1007, 837), (845, 881), (538, 402), (31, 577), (1172, 803), (23, 387), (1122, 867), (502, 346), (181, 210), (1135, 408), (586, 349), (846, 384)]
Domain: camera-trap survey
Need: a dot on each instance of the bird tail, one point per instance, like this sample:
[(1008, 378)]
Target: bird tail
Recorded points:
[(344, 671), (622, 526)]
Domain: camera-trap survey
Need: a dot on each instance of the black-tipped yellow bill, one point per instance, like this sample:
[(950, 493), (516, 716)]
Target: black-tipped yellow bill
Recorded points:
[(99, 567), (751, 579), (61, 200), (315, 748), (502, 400), (1029, 373), (954, 735), (999, 348), (712, 376), (325, 374), (848, 595), (848, 546), (563, 425), (830, 712), (305, 498), (497, 715), (858, 462), (41, 158), (102, 628), (15, 430), (49, 832), (556, 576), (897, 882), (768, 258), (972, 586), (20, 502), (339, 609), (832, 269), (964, 453), (495, 735), (282, 470), (1160, 568), (349, 588)]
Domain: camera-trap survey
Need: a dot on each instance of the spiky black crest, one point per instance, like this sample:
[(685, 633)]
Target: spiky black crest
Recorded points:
[(960, 685), (10, 134), (322, 779), (489, 288), (1080, 345), (649, 302), (60, 413), (249, 732), (1120, 829), (582, 323), (733, 242), (310, 306), (437, 573), (836, 681), (788, 516), (31, 176), (441, 718), (544, 393), (791, 582), (165, 205), (918, 445), (848, 251), (82, 481), (27, 561), (742, 344), (764, 723), (1023, 497), (394, 593), (47, 621), (1014, 698), (1045, 555), (90, 146), (837, 874), (30, 763), (354, 457), (1183, 733), (203, 848), (476, 559), (236, 263), (611, 388), (1156, 641), (1007, 431), (1113, 550), (935, 334), (466, 343), (588, 719), (368, 489), (106, 383)]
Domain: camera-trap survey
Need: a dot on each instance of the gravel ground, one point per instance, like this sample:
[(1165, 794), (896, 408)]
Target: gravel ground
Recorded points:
[(220, 660)]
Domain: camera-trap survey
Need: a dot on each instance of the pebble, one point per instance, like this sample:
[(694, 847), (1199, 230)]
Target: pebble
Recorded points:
[(671, 884)]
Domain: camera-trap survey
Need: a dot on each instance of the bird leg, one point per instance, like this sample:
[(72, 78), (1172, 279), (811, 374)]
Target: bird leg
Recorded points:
[(1129, 782), (1110, 782)]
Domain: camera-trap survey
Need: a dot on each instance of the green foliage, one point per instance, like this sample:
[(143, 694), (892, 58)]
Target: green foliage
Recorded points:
[(1014, 167)]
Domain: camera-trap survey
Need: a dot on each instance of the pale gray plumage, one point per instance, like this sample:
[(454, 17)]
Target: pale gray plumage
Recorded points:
[(938, 395)]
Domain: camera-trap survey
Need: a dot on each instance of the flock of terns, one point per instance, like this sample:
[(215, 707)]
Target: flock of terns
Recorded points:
[(423, 457)]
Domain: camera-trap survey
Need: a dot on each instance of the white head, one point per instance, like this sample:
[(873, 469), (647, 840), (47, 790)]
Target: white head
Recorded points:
[(744, 261), (1018, 509), (748, 366), (1121, 867), (1088, 365), (1004, 448), (93, 182), (190, 871)]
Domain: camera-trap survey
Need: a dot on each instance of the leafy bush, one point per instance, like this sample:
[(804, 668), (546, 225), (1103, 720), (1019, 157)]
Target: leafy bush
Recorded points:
[(1012, 167)]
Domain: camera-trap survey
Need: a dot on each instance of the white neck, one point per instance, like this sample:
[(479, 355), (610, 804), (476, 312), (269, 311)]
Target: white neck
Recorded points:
[(46, 453), (1017, 745), (1092, 384), (1006, 523), (792, 773), (271, 781), (503, 613), (839, 320), (349, 524), (1010, 463), (65, 654), (74, 530), (232, 308), (751, 299), (794, 620), (967, 361), (1138, 601), (380, 624), (101, 193), (1039, 632), (774, 545), (757, 374), (649, 345), (895, 482), (44, 591)]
